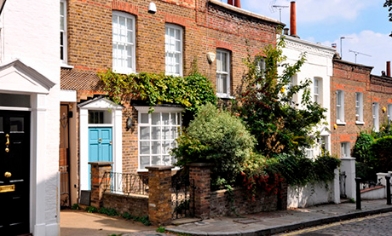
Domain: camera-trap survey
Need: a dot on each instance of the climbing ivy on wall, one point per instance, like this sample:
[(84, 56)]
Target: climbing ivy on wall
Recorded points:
[(190, 91)]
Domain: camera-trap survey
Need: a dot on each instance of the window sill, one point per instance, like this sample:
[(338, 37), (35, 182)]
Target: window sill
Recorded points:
[(340, 123), (123, 71), (225, 96), (66, 66), (359, 122)]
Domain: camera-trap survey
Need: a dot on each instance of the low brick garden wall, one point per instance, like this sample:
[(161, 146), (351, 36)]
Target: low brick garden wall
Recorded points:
[(136, 205)]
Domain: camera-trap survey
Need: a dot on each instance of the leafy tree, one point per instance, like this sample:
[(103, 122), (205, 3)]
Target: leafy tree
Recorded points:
[(388, 3), (265, 103)]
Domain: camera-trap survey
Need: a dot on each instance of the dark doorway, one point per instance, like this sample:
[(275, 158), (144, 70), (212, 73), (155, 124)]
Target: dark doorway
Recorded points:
[(14, 172)]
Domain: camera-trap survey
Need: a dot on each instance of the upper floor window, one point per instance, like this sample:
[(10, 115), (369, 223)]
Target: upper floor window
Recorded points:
[(63, 31), (223, 73), (359, 108), (340, 106), (389, 113), (317, 90), (260, 66), (123, 29), (375, 111), (173, 50)]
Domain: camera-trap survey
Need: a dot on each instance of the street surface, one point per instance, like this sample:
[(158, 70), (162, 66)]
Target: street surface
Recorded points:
[(379, 224)]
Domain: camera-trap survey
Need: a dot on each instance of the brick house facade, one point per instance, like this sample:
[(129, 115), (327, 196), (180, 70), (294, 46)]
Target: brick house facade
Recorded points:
[(359, 102), (90, 45)]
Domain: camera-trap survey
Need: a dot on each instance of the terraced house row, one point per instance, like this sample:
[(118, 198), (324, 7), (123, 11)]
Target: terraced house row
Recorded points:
[(44, 90)]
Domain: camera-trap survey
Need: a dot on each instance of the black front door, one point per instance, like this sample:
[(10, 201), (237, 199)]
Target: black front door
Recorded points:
[(14, 172)]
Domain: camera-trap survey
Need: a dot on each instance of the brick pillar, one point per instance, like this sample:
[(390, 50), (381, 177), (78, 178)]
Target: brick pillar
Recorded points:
[(282, 195), (200, 175), (99, 181), (159, 195)]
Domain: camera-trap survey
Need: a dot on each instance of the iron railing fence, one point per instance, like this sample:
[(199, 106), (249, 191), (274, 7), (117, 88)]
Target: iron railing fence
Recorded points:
[(125, 183)]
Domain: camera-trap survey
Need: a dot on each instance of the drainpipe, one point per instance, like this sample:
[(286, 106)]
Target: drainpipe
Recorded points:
[(293, 20)]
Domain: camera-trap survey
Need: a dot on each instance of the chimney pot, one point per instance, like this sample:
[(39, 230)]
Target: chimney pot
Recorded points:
[(237, 3), (293, 20), (230, 2), (334, 45), (388, 68)]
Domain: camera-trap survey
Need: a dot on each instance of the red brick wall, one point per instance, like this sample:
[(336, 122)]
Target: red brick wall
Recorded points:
[(135, 205), (352, 78), (205, 30)]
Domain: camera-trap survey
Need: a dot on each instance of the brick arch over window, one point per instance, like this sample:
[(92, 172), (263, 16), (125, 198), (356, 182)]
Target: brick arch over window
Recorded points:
[(224, 45), (178, 20), (125, 7)]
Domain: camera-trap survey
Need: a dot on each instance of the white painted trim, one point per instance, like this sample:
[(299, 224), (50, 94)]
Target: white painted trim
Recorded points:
[(68, 96), (145, 109), (116, 124), (15, 108)]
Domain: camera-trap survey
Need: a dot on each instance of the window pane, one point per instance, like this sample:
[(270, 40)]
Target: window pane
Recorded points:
[(156, 147), (144, 161), (144, 133), (156, 118), (144, 147), (167, 160), (144, 118), (156, 160), (155, 133), (16, 124), (165, 118)]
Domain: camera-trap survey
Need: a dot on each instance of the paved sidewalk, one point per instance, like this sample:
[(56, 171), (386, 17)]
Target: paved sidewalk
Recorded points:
[(265, 223), (81, 223), (269, 223)]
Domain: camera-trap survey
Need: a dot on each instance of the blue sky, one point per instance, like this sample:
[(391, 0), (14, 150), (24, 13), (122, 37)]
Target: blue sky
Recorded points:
[(363, 23)]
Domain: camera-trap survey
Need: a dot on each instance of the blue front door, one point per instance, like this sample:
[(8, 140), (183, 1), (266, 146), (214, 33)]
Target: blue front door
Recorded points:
[(100, 147)]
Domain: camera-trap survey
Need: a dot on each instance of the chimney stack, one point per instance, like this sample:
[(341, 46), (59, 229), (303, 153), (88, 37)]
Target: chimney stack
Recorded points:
[(293, 20), (388, 68)]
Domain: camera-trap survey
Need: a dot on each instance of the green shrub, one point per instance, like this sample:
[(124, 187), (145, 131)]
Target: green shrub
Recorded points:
[(218, 138), (91, 209), (362, 149), (382, 149)]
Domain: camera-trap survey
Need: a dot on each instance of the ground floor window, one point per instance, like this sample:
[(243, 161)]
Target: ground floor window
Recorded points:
[(157, 136)]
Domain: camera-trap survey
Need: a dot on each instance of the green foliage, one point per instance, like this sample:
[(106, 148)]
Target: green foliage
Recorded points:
[(216, 137), (362, 148), (161, 229), (75, 206), (108, 211), (267, 173), (91, 209), (382, 149), (191, 91), (265, 103)]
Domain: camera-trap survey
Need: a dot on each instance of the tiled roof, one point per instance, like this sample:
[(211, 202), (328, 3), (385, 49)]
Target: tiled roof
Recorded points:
[(80, 80)]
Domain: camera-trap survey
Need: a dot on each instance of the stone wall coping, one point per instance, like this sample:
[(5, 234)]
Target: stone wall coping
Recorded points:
[(131, 195), (101, 163), (159, 167), (347, 158), (383, 174), (200, 164)]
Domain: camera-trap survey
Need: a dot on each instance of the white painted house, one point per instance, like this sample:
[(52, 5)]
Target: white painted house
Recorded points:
[(29, 117), (317, 68)]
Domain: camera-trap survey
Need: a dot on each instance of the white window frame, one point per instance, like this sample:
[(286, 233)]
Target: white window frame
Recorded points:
[(359, 108), (63, 33), (123, 39), (345, 149), (389, 113), (260, 66), (174, 50), (318, 90), (340, 107), (309, 153), (174, 113), (375, 115), (223, 91)]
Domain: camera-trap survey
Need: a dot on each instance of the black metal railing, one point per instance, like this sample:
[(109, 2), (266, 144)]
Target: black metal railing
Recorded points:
[(125, 183)]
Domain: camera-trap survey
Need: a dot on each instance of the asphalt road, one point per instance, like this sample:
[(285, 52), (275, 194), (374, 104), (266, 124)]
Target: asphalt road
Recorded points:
[(367, 226)]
